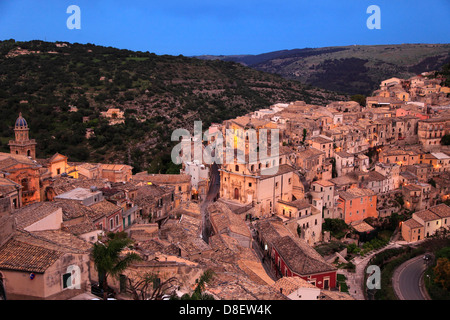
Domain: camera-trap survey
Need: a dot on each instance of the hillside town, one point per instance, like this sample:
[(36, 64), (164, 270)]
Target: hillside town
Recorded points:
[(379, 171)]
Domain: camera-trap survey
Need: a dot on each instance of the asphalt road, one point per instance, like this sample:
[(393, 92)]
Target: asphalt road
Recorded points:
[(408, 279)]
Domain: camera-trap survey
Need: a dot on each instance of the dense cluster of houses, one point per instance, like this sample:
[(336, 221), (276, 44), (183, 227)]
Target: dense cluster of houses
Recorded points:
[(340, 161)]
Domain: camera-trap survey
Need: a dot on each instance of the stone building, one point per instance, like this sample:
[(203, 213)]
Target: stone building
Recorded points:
[(25, 172), (431, 131), (357, 204)]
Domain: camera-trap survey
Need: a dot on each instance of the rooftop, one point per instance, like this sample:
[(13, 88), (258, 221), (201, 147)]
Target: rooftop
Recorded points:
[(21, 256), (321, 139), (37, 251), (324, 183), (440, 155), (163, 178), (412, 224), (301, 258), (426, 215), (442, 210), (362, 227), (309, 153), (287, 285), (353, 193), (224, 220), (26, 216), (300, 204)]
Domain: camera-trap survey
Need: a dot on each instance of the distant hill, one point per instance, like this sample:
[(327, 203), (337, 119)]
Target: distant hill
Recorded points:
[(348, 69), (157, 93)]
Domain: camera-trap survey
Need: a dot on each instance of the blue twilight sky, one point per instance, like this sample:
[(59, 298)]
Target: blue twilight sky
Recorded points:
[(195, 27)]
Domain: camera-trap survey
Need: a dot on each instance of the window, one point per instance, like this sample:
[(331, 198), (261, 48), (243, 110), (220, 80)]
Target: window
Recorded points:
[(117, 220), (58, 171), (66, 280), (236, 168), (315, 222), (111, 224)]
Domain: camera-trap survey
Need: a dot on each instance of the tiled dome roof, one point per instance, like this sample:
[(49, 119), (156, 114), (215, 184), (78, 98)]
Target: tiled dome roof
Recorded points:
[(21, 122)]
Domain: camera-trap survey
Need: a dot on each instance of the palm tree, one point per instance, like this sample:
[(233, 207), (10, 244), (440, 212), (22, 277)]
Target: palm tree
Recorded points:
[(108, 259), (199, 293)]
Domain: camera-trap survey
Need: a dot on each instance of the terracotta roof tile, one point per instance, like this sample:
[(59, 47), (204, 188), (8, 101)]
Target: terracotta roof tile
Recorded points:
[(427, 215), (441, 210), (412, 223), (301, 258), (17, 255), (290, 284), (32, 213)]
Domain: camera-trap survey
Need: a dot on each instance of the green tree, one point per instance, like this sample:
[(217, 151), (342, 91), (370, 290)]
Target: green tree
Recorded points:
[(337, 227), (445, 141), (361, 99), (109, 260), (442, 273)]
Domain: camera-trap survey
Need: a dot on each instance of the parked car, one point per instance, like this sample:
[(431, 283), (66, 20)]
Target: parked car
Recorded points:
[(98, 291)]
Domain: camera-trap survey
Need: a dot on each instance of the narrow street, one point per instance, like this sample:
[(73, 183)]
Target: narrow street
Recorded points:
[(214, 187), (266, 263)]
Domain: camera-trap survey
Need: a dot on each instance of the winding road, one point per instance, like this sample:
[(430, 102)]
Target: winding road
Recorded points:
[(408, 280)]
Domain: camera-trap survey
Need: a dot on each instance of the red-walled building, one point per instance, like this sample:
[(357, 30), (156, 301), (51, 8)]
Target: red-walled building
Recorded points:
[(295, 258)]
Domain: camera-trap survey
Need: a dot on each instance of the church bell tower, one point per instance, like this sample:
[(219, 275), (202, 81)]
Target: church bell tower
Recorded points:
[(22, 145)]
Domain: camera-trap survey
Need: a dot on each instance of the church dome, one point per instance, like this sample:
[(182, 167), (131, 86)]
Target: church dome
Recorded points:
[(21, 122)]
